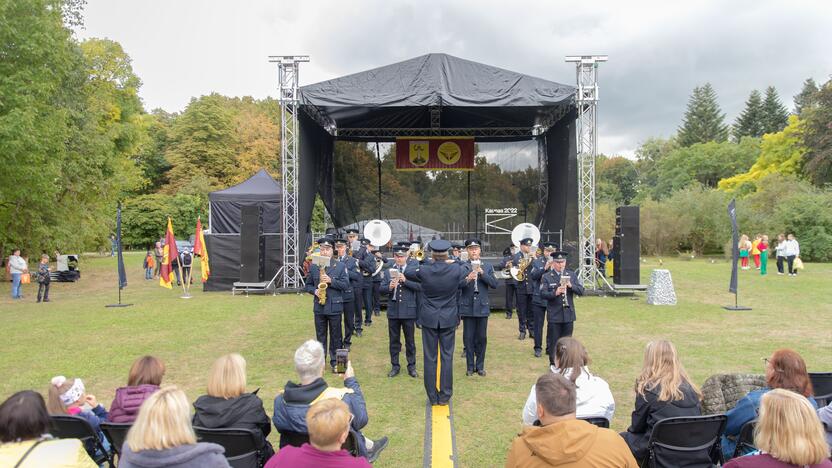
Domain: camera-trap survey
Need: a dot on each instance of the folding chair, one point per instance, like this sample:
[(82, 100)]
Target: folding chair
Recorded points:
[(600, 422), (296, 439), (65, 426), (822, 385), (689, 441), (745, 440), (241, 445), (116, 433)]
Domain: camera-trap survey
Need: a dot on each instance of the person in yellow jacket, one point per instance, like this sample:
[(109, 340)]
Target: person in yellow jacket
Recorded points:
[(755, 250), (562, 440), (25, 441)]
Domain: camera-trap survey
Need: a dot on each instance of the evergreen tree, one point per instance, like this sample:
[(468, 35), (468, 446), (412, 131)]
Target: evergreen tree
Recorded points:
[(704, 120), (750, 122), (806, 96), (775, 115)]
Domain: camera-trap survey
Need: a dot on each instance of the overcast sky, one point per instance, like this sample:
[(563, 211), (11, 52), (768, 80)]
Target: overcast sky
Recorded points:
[(658, 51)]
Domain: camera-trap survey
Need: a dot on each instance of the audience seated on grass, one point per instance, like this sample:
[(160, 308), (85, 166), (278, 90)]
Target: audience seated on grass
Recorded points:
[(784, 369), (145, 377), (825, 415), (290, 407), (562, 440), (328, 422), (69, 396), (594, 398), (162, 436), (663, 390), (227, 405), (24, 436), (788, 433)]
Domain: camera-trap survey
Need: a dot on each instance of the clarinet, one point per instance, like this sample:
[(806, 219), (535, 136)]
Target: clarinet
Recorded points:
[(564, 298), (476, 280)]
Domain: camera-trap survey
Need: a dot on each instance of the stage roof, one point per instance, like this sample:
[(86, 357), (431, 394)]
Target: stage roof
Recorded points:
[(259, 187), (394, 99)]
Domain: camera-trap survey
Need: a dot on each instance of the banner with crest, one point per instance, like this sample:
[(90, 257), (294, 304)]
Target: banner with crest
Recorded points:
[(435, 154)]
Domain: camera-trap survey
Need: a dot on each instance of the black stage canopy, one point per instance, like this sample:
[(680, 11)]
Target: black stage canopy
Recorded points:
[(260, 189), (439, 95)]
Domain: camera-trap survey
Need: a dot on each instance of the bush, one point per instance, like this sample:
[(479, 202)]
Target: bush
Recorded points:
[(144, 218)]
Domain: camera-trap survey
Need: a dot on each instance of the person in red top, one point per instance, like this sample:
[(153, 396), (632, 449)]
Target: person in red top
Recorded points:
[(328, 422)]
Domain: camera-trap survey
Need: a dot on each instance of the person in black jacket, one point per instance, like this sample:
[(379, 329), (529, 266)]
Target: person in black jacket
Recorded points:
[(402, 309), (663, 390), (474, 307), (227, 405), (328, 314)]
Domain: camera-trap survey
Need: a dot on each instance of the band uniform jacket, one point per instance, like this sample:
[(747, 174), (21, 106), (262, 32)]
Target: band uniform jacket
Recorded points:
[(523, 287), (367, 265), (476, 304), (354, 274), (403, 302), (440, 288), (334, 292), (555, 312), (535, 275)]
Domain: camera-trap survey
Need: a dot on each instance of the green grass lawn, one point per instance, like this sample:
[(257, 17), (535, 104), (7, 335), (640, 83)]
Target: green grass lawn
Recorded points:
[(75, 335)]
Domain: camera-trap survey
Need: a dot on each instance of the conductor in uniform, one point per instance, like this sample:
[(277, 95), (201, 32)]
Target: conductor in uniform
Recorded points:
[(474, 307), (354, 274), (559, 287), (440, 281), (328, 314), (402, 309)]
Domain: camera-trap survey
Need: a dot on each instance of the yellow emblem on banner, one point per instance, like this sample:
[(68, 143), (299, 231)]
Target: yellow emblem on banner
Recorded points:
[(419, 153), (449, 153)]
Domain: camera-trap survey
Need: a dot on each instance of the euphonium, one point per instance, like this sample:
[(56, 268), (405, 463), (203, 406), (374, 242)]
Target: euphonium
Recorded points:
[(419, 255), (322, 293)]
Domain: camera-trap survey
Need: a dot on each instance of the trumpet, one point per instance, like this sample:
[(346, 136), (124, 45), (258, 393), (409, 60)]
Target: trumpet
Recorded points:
[(507, 270), (322, 293), (418, 254)]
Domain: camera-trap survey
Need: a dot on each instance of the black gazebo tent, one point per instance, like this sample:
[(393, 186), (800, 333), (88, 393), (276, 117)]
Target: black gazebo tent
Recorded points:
[(225, 207), (469, 98)]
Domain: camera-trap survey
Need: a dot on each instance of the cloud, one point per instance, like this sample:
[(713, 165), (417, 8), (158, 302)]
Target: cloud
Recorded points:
[(658, 51)]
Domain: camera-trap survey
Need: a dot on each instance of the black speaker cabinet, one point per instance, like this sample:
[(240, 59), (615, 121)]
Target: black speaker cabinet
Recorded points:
[(251, 248), (626, 246)]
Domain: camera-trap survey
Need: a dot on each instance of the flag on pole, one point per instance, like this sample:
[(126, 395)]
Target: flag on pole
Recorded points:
[(122, 274), (735, 250), (170, 253), (201, 250)]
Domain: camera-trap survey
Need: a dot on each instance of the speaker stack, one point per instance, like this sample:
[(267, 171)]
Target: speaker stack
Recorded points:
[(626, 246), (252, 258)]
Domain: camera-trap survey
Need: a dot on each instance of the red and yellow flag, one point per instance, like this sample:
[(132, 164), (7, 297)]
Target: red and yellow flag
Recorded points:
[(201, 250), (170, 252)]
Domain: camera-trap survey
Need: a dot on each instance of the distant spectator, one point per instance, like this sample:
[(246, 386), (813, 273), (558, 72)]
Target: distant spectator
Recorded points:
[(43, 278), (792, 251), (328, 422), (162, 436), (784, 369), (24, 436), (755, 250), (780, 250), (594, 398), (787, 434), (159, 254), (144, 379), (174, 265), (113, 245), (601, 255), (148, 265), (69, 396), (228, 406), (745, 250), (763, 247), (186, 258), (17, 266), (562, 440), (825, 415), (290, 406), (663, 390)]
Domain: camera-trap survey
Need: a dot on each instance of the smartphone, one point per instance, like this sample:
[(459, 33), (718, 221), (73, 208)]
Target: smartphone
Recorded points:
[(342, 356)]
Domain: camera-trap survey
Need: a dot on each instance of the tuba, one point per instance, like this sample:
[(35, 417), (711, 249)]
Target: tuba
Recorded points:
[(520, 232), (379, 233)]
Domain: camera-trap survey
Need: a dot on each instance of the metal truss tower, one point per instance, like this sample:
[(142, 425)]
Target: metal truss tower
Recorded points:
[(587, 103), (290, 275)]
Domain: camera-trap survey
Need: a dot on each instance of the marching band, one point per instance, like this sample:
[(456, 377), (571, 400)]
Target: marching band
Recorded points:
[(437, 295)]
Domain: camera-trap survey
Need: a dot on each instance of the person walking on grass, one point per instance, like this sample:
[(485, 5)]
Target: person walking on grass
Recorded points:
[(792, 252), (763, 246), (149, 263), (17, 267), (744, 248), (159, 253), (43, 278), (780, 250)]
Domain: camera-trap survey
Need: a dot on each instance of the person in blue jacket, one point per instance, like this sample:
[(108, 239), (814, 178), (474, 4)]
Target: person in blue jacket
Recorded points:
[(558, 287), (328, 314), (474, 307), (356, 280), (402, 309), (539, 266)]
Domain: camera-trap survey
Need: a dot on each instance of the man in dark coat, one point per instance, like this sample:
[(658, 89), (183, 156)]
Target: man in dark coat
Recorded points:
[(438, 317), (474, 307), (525, 319), (539, 266), (511, 285), (402, 310), (353, 248), (367, 263), (328, 314), (354, 273), (559, 287)]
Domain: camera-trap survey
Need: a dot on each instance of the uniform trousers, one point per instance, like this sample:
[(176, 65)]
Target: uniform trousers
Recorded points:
[(525, 318), (511, 296), (475, 337), (554, 332), (358, 305), (438, 346), (329, 324), (539, 314), (395, 328), (349, 322)]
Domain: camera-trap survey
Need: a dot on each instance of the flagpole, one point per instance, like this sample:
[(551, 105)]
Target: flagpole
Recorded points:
[(120, 260)]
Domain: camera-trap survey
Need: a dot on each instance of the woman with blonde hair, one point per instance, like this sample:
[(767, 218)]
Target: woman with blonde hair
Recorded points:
[(143, 380), (227, 405), (788, 433), (745, 249), (663, 390), (162, 435)]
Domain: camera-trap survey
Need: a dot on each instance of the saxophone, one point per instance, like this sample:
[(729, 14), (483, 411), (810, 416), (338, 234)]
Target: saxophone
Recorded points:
[(322, 292)]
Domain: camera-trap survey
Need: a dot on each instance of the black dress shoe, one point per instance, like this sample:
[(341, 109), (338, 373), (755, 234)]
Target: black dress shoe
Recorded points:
[(522, 336), (481, 373), (469, 373), (368, 324), (508, 316), (537, 353), (393, 372), (412, 373), (358, 333)]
